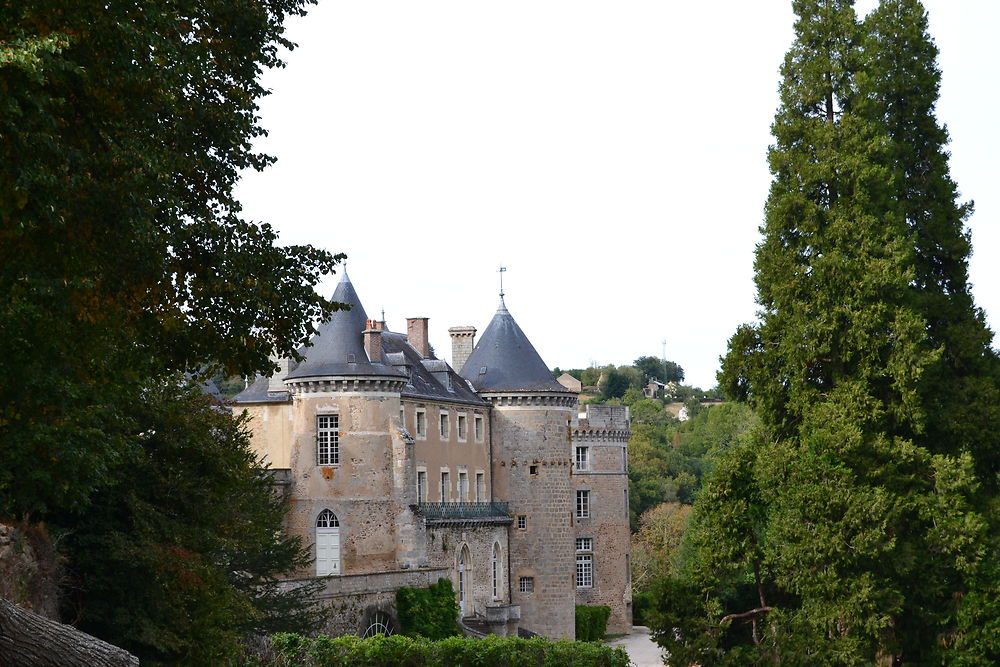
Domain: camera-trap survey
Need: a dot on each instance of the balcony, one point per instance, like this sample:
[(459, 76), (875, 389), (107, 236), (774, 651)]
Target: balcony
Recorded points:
[(447, 513)]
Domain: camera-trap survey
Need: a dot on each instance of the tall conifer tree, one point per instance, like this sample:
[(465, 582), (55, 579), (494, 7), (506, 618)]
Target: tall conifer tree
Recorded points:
[(812, 539)]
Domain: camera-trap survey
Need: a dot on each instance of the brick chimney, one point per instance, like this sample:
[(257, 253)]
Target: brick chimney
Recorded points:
[(416, 336), (373, 340), (462, 341)]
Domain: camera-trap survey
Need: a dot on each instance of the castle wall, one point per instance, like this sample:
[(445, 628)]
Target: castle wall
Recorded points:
[(370, 489), (445, 543), (452, 454), (604, 431), (531, 470), (271, 431)]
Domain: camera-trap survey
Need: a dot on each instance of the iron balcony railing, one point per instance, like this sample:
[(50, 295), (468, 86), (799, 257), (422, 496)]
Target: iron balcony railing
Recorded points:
[(463, 510)]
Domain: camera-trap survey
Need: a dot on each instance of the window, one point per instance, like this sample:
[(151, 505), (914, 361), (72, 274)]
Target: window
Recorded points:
[(625, 492), (583, 504), (327, 544), (421, 486), (532, 470), (463, 487), (496, 571), (526, 584), (625, 459), (522, 522), (480, 487), (421, 424), (479, 428), (327, 440), (582, 458), (445, 487), (584, 570), (444, 425), (462, 428), (585, 544)]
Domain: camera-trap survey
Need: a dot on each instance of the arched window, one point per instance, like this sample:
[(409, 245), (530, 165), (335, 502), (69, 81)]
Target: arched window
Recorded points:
[(497, 564), (464, 577), (327, 544)]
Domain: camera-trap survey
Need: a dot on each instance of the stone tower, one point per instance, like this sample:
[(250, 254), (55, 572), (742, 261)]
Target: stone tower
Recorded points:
[(351, 469), (600, 476), (532, 470)]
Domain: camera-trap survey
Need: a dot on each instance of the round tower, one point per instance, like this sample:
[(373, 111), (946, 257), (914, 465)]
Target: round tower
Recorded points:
[(351, 465), (532, 470)]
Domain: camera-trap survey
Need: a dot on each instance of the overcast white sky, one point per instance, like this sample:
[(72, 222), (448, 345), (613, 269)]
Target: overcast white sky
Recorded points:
[(609, 153)]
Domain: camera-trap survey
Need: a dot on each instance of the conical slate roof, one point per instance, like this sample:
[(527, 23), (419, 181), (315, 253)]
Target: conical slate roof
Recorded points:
[(338, 348), (505, 360)]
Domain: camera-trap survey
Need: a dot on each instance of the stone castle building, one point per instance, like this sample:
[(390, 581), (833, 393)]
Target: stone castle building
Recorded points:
[(400, 471)]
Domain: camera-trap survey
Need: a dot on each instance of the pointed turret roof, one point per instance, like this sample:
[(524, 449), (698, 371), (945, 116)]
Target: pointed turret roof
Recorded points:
[(338, 348), (505, 360)]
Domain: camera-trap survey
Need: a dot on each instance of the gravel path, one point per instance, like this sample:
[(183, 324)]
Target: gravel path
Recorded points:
[(640, 648)]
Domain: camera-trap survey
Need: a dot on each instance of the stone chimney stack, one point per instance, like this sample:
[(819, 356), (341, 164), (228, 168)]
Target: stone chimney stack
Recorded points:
[(416, 336), (373, 340), (463, 339), (277, 381)]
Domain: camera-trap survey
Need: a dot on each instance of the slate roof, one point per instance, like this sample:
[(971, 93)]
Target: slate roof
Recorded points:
[(338, 348), (341, 336), (425, 384), (505, 360)]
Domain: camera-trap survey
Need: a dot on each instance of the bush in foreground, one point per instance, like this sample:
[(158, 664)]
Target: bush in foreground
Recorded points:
[(399, 651)]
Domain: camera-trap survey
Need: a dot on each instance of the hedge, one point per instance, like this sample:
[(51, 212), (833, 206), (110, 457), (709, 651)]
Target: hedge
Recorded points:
[(400, 651), (428, 612), (591, 623)]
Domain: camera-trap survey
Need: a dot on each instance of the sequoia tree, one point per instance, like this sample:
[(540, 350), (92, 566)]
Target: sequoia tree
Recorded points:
[(123, 256), (841, 531)]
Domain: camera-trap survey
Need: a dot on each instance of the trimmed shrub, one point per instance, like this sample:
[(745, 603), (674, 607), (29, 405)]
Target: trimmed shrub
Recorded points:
[(400, 651), (641, 604), (428, 612), (591, 622)]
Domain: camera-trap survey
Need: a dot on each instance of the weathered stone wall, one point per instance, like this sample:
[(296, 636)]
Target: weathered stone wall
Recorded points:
[(604, 430), (354, 599), (444, 543), (370, 490), (538, 436)]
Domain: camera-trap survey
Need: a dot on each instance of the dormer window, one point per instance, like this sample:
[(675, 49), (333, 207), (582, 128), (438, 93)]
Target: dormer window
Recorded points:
[(351, 359)]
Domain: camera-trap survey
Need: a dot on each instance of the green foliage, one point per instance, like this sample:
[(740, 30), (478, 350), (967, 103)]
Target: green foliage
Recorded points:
[(430, 612), (591, 622), (667, 458), (656, 369), (401, 651), (856, 524), (122, 253), (178, 558)]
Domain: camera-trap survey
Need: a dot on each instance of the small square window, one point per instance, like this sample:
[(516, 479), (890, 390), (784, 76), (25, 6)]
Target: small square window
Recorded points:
[(532, 470), (526, 584), (522, 522), (585, 544)]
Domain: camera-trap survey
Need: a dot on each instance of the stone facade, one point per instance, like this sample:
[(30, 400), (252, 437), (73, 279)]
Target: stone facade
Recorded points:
[(600, 453), (399, 470)]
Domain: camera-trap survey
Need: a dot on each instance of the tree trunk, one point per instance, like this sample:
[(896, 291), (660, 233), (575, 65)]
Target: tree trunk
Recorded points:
[(30, 640)]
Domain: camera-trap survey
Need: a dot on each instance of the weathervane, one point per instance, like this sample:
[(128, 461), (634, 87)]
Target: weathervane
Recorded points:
[(501, 272)]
